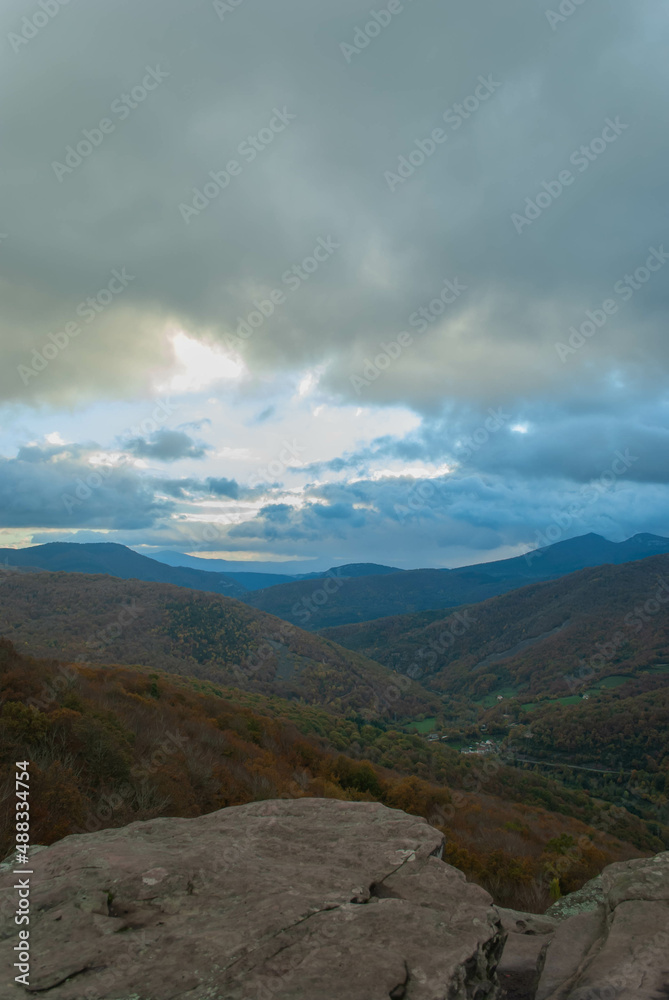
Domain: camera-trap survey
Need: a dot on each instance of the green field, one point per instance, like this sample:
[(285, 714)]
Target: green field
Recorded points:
[(425, 726), (491, 699), (608, 682)]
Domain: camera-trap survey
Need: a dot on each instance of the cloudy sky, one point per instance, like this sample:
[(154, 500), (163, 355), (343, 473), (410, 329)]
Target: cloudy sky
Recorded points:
[(308, 282)]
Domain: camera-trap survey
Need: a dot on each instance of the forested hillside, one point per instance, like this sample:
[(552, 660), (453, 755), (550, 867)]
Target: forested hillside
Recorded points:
[(111, 745), (102, 619), (548, 638)]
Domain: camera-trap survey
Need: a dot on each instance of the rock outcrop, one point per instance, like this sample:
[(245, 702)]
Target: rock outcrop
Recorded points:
[(613, 939), (302, 899), (608, 941), (317, 899)]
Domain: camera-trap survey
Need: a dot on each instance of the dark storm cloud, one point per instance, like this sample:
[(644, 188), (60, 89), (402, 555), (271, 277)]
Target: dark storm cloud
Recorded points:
[(59, 488), (282, 522), (551, 90), (507, 282)]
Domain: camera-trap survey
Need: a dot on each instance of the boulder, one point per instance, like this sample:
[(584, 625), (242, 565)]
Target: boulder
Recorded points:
[(528, 938), (613, 939), (288, 900)]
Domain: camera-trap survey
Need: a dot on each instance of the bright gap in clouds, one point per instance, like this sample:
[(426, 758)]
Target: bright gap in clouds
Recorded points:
[(199, 365), (400, 472)]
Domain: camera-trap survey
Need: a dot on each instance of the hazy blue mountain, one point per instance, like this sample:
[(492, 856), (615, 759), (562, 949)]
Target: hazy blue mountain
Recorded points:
[(263, 577), (381, 596), (119, 561), (365, 591)]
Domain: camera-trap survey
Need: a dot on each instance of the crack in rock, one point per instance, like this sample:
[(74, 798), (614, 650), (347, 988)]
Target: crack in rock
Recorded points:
[(399, 992)]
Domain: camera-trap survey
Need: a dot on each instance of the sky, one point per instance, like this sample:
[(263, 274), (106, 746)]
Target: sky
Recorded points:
[(302, 283)]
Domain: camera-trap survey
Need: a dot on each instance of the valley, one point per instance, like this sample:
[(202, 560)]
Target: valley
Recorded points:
[(530, 711)]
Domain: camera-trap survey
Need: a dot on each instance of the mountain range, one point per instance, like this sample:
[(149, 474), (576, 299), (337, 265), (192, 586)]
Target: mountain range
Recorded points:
[(566, 673), (116, 560), (172, 567), (411, 591), (351, 593), (548, 638), (257, 580)]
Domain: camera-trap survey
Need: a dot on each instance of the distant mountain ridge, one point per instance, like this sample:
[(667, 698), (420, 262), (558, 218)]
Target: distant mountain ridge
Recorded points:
[(555, 637), (116, 560), (370, 591), (261, 579), (413, 591)]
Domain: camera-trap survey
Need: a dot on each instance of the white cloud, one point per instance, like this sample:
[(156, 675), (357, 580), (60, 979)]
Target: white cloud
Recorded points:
[(198, 365)]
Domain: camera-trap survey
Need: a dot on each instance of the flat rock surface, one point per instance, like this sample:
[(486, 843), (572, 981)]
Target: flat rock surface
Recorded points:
[(286, 900)]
